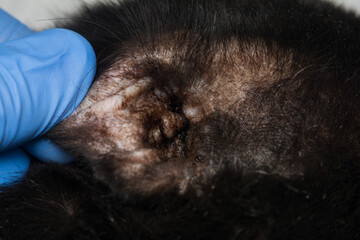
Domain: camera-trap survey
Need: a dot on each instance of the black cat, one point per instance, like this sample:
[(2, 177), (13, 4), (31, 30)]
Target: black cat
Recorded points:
[(207, 120)]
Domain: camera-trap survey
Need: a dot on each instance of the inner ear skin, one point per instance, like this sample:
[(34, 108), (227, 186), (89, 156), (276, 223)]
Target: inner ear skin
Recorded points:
[(145, 126), (156, 121)]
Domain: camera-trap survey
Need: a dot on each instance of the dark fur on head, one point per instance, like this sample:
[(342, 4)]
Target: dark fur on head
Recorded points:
[(208, 120)]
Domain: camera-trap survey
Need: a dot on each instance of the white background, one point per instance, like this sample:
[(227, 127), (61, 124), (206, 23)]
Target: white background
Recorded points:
[(40, 14)]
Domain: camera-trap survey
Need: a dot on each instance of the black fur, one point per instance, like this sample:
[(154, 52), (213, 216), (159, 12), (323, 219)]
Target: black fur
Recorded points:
[(312, 118)]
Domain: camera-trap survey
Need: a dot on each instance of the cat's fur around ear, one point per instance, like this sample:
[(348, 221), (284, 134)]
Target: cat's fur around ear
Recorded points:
[(207, 120)]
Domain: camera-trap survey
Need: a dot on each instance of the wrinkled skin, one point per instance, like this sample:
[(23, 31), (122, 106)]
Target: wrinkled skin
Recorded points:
[(207, 120), (177, 101)]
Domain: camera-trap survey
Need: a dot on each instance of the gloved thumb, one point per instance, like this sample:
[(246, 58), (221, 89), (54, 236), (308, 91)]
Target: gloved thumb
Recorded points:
[(43, 78)]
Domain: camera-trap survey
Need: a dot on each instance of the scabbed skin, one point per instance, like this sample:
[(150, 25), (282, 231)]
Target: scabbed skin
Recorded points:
[(207, 120)]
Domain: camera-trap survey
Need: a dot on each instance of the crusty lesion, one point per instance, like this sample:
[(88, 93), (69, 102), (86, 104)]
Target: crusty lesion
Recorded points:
[(137, 125)]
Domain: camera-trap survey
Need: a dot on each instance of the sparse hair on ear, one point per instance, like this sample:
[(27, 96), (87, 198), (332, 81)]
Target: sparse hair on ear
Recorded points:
[(231, 120)]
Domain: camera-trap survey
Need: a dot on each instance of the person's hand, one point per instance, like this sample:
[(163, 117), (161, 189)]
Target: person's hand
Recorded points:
[(43, 78)]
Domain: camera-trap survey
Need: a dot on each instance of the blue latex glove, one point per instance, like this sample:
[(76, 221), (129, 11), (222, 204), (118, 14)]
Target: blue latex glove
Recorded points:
[(43, 78)]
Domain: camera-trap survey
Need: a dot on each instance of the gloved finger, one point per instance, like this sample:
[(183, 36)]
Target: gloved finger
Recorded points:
[(13, 165), (11, 29), (43, 78), (45, 150)]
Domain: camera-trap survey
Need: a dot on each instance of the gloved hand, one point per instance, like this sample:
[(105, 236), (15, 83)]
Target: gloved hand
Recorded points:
[(43, 78)]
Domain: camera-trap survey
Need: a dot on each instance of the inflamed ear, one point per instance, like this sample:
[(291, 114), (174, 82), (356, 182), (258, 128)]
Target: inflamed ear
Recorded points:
[(172, 112)]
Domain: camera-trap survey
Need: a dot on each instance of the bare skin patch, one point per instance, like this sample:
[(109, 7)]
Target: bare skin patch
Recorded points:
[(139, 123)]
